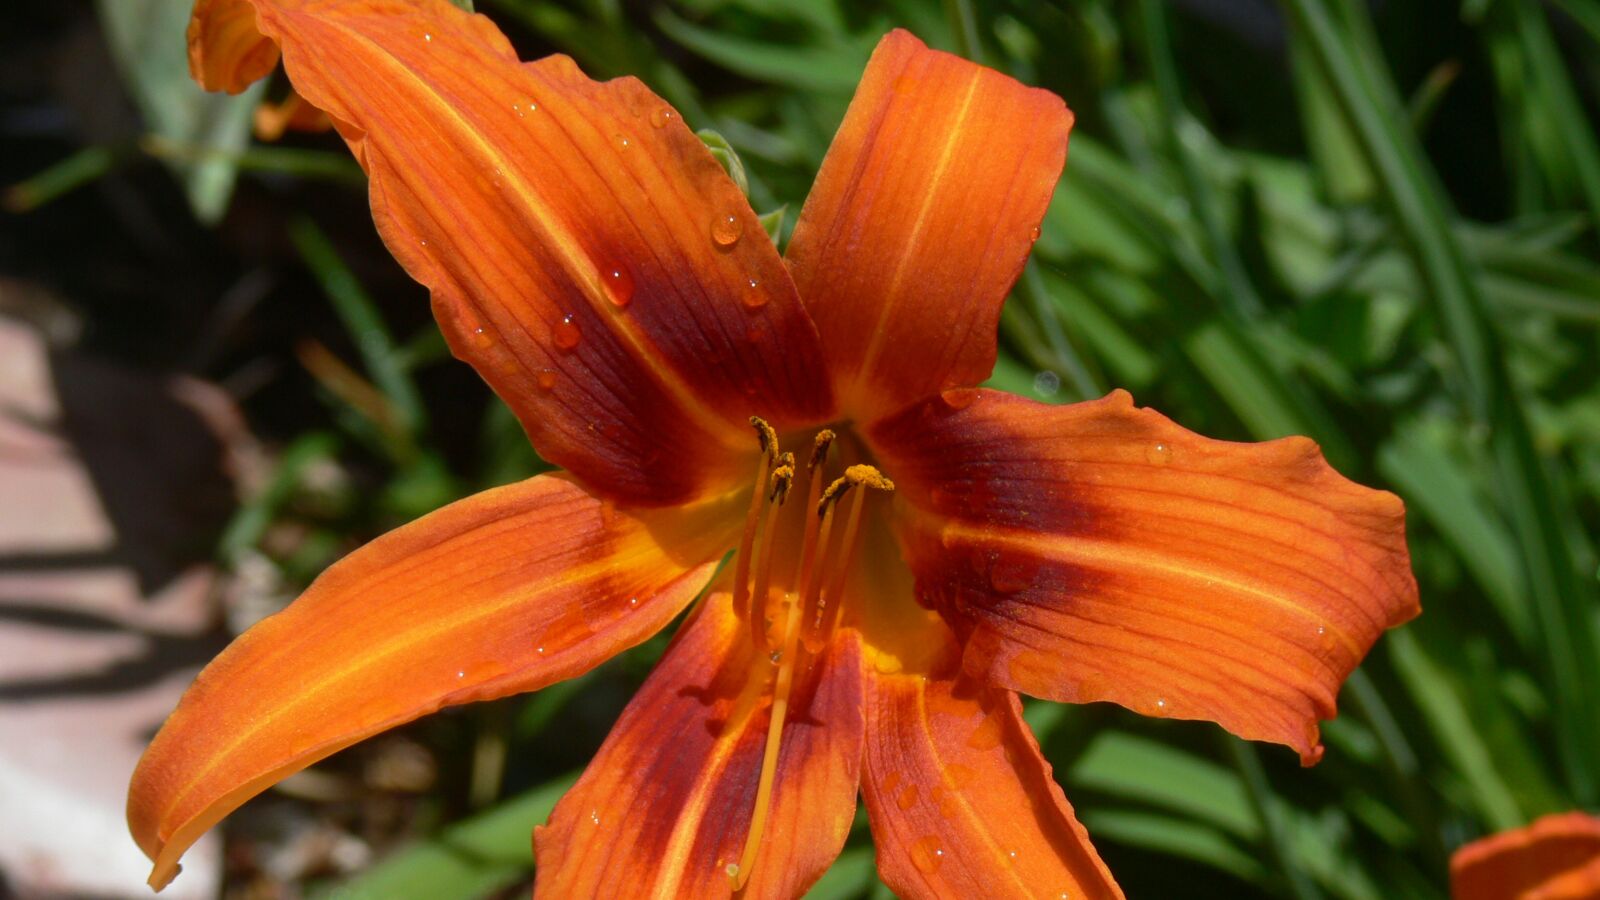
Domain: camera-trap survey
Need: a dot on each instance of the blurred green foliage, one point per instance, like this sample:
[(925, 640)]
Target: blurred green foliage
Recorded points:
[(1275, 220)]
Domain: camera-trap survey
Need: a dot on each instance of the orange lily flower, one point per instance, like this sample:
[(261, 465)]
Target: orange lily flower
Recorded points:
[(1555, 858), (910, 551)]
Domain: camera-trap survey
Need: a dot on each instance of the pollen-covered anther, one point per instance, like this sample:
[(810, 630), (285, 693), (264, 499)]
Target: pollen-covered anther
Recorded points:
[(819, 449), (781, 480), (767, 436)]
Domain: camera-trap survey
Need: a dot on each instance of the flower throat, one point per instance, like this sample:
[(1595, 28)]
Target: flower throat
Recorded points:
[(802, 620)]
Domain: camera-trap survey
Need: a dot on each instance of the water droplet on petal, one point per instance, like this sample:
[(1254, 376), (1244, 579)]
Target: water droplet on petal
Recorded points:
[(987, 735), (481, 338), (623, 142), (1013, 574), (726, 229), (1322, 629), (927, 854), (428, 38), (1011, 858), (619, 284), (958, 398), (424, 242), (1161, 707), (960, 776), (461, 673), (907, 797), (566, 333), (541, 650), (1034, 235), (661, 116), (775, 657), (633, 602), (594, 816), (732, 869), (545, 379), (754, 297), (1159, 454)]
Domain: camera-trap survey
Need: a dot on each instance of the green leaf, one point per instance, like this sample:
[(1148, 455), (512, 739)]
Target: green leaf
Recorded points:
[(147, 41)]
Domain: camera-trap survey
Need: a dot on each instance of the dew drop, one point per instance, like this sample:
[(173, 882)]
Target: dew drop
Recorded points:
[(1034, 234), (622, 141), (461, 673), (566, 333), (958, 398), (726, 229), (732, 869), (1159, 454), (754, 297), (661, 116), (986, 736), (775, 657), (1013, 574), (424, 242), (541, 650), (545, 379), (619, 285), (1161, 707), (927, 854), (428, 38), (1322, 629), (633, 602), (1011, 858), (481, 338), (594, 816), (907, 797)]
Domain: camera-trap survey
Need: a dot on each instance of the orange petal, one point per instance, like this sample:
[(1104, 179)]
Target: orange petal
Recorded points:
[(226, 52), (585, 251), (504, 592), (1101, 552), (665, 806), (1555, 858), (293, 114), (926, 208), (962, 803)]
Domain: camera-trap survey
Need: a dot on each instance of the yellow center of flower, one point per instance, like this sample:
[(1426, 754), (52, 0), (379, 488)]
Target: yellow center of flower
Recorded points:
[(784, 626)]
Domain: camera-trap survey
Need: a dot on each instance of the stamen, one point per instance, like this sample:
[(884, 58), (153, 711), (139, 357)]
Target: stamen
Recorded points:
[(741, 565), (816, 532), (756, 607), (825, 616), (819, 448)]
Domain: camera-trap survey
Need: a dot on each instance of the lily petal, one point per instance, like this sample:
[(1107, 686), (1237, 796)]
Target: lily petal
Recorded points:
[(665, 806), (1101, 552), (586, 253), (1555, 858), (503, 592), (961, 801), (920, 220)]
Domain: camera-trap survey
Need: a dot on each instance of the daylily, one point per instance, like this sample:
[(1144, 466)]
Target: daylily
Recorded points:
[(1555, 858), (911, 551)]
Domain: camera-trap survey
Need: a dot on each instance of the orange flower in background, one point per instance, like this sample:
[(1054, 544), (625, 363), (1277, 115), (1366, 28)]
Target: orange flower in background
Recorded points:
[(1555, 858), (910, 551)]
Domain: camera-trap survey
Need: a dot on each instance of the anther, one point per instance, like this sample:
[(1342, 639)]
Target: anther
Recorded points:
[(781, 480), (819, 449), (767, 437)]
